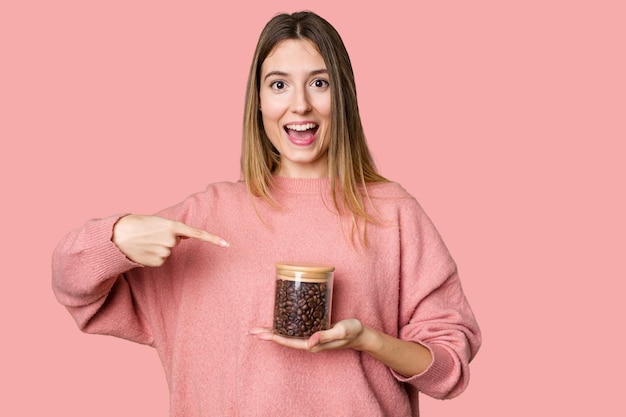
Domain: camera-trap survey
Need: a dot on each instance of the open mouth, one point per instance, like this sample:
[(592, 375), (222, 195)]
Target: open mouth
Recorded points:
[(303, 131)]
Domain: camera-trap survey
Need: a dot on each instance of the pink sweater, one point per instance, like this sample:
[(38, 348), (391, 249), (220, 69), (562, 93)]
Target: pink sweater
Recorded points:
[(197, 308)]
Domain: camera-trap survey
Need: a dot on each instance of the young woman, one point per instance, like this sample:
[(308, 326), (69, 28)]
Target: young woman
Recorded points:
[(196, 281)]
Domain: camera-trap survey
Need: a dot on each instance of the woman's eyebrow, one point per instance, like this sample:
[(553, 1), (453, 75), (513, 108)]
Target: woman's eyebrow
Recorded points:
[(275, 73), (319, 71), (284, 74)]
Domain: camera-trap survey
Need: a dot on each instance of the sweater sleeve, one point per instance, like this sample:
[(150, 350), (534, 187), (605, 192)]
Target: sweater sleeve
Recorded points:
[(434, 310), (89, 277)]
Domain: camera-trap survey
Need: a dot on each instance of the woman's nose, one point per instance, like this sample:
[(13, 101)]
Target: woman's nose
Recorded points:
[(300, 102)]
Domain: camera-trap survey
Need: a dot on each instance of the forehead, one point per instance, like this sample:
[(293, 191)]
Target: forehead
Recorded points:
[(293, 54)]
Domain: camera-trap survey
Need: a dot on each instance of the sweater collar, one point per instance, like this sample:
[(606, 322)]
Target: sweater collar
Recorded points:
[(301, 185)]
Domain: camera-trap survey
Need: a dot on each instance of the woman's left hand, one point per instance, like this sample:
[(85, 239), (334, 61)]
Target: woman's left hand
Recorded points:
[(406, 358), (344, 334)]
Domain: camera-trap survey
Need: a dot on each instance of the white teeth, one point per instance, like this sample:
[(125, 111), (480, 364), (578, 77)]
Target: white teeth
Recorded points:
[(301, 128)]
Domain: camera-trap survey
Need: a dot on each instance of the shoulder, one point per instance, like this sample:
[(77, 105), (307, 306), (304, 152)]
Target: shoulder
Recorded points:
[(388, 189), (225, 189), (222, 194), (391, 193), (219, 194), (392, 197)]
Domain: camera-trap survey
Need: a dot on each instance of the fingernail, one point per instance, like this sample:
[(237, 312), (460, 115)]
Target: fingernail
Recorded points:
[(224, 243)]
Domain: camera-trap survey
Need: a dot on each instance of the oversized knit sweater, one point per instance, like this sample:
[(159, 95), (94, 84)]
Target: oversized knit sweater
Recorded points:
[(197, 308)]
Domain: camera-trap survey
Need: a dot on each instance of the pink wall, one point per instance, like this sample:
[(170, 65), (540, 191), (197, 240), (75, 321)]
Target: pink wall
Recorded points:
[(507, 122)]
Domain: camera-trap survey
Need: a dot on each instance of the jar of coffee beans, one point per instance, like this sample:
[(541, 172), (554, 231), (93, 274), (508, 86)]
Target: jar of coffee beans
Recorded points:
[(303, 299)]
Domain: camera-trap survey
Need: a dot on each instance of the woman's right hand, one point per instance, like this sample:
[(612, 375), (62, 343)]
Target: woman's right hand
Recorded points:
[(149, 240)]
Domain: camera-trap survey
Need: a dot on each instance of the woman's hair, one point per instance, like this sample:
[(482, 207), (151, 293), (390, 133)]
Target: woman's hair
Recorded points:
[(350, 164)]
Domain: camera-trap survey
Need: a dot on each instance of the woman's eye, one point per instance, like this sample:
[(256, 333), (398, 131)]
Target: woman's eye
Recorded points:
[(319, 83), (277, 85)]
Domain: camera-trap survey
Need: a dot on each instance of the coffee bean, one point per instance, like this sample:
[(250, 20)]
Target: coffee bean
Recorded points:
[(301, 308)]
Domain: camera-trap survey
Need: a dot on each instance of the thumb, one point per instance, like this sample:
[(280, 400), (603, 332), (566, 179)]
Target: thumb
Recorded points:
[(183, 230)]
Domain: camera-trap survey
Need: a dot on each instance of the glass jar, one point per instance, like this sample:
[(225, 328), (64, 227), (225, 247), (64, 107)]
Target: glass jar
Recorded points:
[(303, 299)]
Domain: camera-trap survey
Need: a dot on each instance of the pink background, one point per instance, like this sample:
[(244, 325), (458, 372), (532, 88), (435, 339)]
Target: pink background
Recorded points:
[(507, 120)]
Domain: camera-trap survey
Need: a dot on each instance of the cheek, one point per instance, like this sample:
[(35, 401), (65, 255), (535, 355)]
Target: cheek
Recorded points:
[(271, 125), (324, 111), (270, 122), (323, 107), (271, 111), (268, 113)]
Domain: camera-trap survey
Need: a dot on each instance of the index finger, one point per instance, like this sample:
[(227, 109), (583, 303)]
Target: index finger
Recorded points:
[(186, 231)]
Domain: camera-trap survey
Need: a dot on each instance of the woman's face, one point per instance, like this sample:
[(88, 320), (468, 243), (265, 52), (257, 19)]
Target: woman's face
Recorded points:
[(295, 105)]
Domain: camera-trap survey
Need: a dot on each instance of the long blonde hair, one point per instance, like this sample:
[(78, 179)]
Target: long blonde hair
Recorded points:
[(350, 164)]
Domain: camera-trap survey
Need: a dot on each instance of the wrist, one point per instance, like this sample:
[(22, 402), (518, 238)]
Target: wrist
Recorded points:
[(404, 357), (369, 341)]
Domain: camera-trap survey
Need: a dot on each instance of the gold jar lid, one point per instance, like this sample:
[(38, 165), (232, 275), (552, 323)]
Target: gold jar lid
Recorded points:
[(303, 270)]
